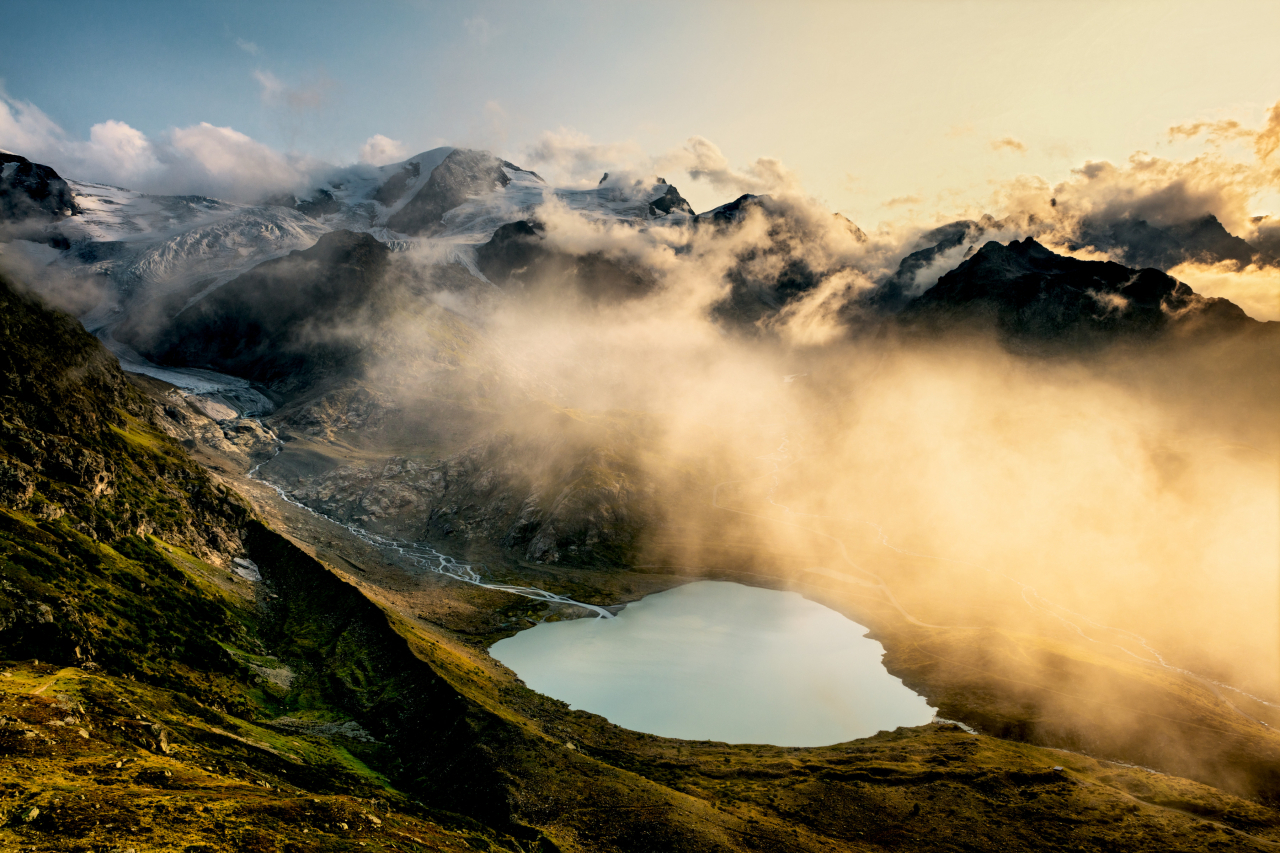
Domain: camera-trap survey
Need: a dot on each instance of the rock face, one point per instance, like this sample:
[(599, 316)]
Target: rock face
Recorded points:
[(894, 293), (393, 188), (668, 202), (783, 268), (1036, 297), (287, 322), (519, 256), (32, 191), (568, 494), (461, 175), (1137, 243), (321, 204)]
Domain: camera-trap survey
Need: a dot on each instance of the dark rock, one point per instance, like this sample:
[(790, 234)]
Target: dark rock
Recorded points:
[(17, 484), (669, 201), (513, 246), (518, 256), (32, 191), (393, 188), (321, 204), (1038, 298), (898, 289), (95, 251), (1138, 243), (281, 200), (729, 213)]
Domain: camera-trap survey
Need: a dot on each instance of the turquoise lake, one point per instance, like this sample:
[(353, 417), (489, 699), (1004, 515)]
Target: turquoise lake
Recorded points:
[(720, 661)]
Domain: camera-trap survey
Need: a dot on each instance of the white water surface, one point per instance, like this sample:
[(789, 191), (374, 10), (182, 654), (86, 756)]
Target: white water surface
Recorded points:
[(720, 661)]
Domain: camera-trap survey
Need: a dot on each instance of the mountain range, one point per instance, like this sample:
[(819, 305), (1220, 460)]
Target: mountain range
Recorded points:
[(264, 501)]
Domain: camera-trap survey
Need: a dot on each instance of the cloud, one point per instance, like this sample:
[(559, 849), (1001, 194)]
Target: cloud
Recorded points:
[(1161, 191), (228, 163), (1008, 143), (24, 128), (303, 98), (1255, 289), (124, 150), (198, 160), (569, 157), (248, 47), (904, 201), (379, 150), (1268, 139), (1215, 131), (1228, 183), (703, 160)]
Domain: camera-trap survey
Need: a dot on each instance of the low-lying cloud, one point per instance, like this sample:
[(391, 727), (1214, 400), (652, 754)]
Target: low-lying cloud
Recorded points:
[(572, 158)]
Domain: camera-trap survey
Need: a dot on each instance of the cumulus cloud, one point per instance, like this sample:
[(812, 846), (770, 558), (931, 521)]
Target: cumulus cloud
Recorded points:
[(1008, 143), (1225, 181), (24, 128), (378, 150), (123, 150), (1160, 190), (230, 163), (201, 159), (1268, 139)]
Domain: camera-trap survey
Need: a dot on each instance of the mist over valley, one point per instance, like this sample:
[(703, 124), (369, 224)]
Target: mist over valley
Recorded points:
[(502, 497)]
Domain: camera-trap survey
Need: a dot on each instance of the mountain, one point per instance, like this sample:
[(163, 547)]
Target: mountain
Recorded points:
[(32, 191), (1134, 243), (518, 256), (205, 680), (286, 322), (1138, 243), (461, 175), (770, 274), (204, 683), (1033, 296)]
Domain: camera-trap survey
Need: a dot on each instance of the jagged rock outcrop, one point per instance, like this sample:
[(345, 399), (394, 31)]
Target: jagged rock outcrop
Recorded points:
[(1138, 243), (519, 256), (1035, 297), (32, 191), (670, 201)]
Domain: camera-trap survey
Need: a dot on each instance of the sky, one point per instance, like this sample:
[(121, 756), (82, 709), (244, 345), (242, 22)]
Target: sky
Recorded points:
[(881, 110)]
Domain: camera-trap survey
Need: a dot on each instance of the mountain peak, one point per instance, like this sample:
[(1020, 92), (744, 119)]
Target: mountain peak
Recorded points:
[(463, 173), (1039, 297)]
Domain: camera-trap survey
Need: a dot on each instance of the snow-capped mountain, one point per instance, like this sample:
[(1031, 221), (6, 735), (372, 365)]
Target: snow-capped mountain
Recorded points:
[(149, 247)]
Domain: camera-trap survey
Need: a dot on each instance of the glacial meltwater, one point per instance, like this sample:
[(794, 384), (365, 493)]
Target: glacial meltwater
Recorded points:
[(720, 661)]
